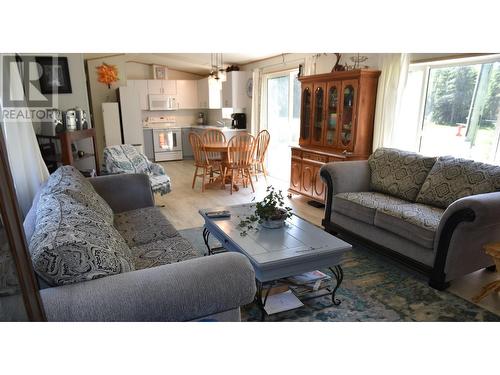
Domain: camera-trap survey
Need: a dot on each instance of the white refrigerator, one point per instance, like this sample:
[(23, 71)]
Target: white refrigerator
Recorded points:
[(123, 120)]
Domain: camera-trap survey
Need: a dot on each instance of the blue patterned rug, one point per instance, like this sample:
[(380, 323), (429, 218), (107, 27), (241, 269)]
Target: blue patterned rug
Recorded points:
[(375, 288)]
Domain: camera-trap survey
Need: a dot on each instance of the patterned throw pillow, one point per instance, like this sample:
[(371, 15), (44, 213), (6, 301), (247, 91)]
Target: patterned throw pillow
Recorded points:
[(68, 180), (71, 243), (453, 178), (399, 173)]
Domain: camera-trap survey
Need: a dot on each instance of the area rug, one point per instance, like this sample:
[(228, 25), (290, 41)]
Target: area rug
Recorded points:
[(375, 288)]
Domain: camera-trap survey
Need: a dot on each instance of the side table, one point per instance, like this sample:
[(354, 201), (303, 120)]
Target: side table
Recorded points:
[(492, 249)]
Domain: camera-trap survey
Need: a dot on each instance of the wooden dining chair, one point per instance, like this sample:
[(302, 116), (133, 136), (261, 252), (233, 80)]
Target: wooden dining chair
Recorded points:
[(262, 143), (213, 136), (201, 161), (240, 150)]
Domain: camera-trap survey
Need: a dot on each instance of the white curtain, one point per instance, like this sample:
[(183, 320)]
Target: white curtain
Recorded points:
[(25, 160), (256, 101), (392, 81)]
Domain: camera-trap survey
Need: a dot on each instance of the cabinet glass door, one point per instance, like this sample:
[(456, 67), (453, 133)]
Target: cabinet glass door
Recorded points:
[(319, 110), (305, 118), (348, 115), (332, 114)]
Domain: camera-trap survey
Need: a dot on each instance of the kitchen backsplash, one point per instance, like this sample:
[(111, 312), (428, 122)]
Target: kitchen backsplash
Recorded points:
[(189, 116), (182, 116)]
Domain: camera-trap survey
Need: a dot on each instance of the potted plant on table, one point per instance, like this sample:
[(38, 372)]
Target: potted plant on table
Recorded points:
[(270, 213)]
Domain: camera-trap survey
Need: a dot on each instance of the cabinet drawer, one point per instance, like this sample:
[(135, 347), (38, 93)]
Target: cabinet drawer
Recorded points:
[(333, 158), (296, 153), (315, 157)]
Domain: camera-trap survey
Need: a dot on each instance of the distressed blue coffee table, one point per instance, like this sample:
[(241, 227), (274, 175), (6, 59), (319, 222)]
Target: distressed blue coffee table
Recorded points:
[(275, 254)]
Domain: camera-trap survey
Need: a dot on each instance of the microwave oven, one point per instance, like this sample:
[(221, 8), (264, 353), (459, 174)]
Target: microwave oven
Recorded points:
[(162, 103)]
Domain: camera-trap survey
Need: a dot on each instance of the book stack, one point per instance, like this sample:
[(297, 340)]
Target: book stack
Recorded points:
[(284, 296), (308, 282)]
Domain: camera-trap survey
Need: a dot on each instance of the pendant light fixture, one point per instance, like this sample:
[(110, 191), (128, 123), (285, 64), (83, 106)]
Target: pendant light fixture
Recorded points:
[(217, 71)]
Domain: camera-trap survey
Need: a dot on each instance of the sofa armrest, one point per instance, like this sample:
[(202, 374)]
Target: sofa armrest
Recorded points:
[(124, 192), (486, 209), (347, 176), (181, 291), (466, 225), (343, 177)]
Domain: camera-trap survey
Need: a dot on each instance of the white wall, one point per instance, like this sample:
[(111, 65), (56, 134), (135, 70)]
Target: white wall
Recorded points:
[(77, 98), (138, 70), (100, 93)]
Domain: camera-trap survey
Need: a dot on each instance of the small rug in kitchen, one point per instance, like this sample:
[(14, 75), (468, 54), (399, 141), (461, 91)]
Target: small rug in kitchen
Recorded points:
[(375, 288)]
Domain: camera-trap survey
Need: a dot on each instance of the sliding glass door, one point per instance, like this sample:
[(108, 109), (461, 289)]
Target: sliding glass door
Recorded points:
[(281, 118)]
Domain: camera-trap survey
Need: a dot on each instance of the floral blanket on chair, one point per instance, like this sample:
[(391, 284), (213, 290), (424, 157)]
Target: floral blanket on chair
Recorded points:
[(126, 159)]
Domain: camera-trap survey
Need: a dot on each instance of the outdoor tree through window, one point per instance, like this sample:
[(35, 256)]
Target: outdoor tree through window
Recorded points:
[(461, 112)]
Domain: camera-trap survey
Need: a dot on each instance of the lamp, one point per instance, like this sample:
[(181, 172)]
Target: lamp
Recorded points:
[(217, 71)]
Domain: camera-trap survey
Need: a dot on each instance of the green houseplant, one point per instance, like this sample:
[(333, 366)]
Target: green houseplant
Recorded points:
[(270, 213)]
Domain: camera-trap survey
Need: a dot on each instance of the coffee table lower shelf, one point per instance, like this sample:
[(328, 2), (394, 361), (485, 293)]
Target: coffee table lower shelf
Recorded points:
[(264, 288), (261, 295)]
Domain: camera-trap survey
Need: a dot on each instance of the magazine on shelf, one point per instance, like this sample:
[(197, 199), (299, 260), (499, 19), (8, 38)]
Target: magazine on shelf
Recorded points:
[(300, 290), (282, 302), (308, 278)]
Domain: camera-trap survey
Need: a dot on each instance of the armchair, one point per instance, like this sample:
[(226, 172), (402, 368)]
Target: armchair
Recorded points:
[(126, 159)]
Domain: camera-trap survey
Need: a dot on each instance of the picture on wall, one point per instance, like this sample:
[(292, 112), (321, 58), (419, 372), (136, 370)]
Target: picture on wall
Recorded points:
[(54, 77), (159, 72)]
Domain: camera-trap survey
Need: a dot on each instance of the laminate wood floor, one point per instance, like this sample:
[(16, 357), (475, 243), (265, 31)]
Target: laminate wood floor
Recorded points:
[(183, 203)]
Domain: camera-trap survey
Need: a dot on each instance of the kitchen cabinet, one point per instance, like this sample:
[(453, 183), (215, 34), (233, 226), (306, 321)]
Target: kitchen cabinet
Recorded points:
[(148, 144), (187, 94), (234, 91), (307, 175), (296, 174), (209, 94), (162, 87), (336, 124), (141, 87), (187, 150)]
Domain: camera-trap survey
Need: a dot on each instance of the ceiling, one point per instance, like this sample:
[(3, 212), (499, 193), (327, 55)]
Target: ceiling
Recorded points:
[(198, 63)]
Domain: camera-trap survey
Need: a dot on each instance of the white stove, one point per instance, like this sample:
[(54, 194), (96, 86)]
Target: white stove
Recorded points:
[(167, 138)]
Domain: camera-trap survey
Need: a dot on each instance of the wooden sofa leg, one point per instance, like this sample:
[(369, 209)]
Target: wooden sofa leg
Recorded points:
[(438, 284)]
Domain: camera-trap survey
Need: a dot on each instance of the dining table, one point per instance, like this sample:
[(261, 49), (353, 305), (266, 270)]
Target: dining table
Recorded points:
[(222, 149)]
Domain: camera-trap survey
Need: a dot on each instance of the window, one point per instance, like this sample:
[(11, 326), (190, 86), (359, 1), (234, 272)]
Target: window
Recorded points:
[(459, 105)]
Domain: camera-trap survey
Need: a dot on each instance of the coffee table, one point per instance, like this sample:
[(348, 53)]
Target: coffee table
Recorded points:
[(276, 254)]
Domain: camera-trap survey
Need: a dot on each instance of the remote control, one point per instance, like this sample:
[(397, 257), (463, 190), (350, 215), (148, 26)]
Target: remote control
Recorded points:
[(215, 214)]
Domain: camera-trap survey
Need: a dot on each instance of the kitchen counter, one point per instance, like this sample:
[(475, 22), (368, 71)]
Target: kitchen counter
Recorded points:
[(185, 129), (223, 128), (188, 126)]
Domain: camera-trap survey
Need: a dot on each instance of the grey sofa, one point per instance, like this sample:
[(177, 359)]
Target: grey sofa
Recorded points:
[(159, 276), (433, 214)]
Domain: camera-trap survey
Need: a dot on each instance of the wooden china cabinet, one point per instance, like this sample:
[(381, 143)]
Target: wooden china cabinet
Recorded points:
[(336, 124)]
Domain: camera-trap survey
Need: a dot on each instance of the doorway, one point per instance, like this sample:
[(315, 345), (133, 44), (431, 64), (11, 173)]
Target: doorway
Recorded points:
[(281, 119)]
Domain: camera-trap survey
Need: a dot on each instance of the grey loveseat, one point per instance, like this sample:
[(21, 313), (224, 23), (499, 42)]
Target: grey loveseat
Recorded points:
[(103, 252), (434, 214)]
